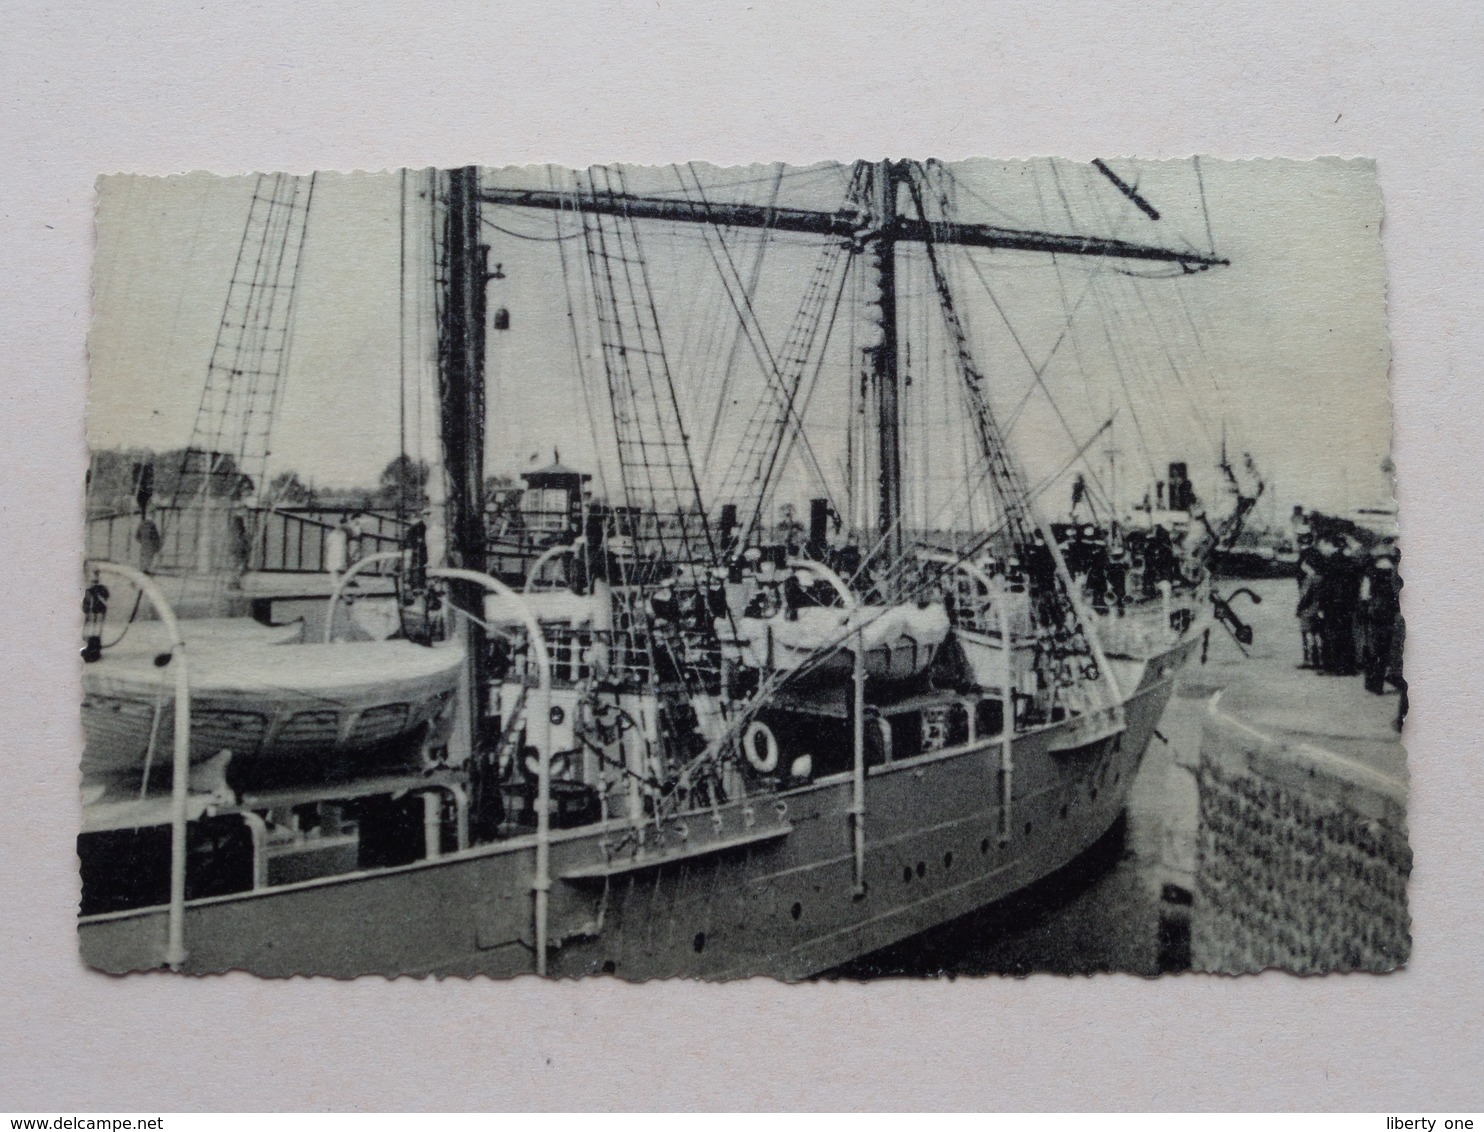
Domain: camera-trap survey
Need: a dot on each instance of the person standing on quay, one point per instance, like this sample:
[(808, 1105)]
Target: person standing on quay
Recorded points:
[(1311, 622), (1381, 608), (1351, 564)]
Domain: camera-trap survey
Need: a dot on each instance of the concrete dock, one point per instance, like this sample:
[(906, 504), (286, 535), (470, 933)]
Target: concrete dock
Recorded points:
[(1301, 858)]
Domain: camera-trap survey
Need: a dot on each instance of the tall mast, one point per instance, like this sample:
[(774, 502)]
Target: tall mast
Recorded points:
[(461, 341), (881, 279)]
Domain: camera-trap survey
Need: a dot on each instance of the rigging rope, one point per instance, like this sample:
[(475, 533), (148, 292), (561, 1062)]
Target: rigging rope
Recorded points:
[(1200, 182), (755, 463), (557, 239), (737, 334)]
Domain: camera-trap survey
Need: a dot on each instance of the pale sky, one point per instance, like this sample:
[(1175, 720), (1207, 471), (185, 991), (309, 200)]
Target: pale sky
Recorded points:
[(1287, 346)]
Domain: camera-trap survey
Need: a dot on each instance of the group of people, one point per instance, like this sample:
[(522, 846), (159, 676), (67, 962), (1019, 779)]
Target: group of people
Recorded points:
[(1349, 609), (1115, 567)]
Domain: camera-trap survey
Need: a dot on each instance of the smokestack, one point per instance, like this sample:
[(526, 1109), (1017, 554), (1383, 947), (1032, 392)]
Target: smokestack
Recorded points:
[(819, 520)]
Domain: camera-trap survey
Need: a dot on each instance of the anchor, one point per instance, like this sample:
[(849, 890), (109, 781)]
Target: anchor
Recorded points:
[(1228, 616)]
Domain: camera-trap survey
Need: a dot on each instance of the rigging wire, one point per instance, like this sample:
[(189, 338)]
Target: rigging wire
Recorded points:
[(798, 434), (1110, 490), (1116, 313), (1200, 182), (583, 381), (736, 337), (647, 404), (1113, 351), (558, 238), (785, 388), (1037, 372), (1159, 335), (794, 176)]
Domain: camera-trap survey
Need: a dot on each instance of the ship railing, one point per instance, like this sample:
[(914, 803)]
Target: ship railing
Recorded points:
[(295, 542), (268, 540), (624, 657), (981, 602)]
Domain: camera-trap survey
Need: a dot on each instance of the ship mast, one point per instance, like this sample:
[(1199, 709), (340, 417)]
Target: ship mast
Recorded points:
[(881, 280), (461, 347)]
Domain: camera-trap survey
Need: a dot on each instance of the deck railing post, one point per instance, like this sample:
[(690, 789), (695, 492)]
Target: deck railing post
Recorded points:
[(541, 885), (180, 780), (1007, 715), (858, 782)]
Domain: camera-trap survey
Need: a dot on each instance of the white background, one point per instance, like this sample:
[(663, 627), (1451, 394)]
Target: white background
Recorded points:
[(163, 88)]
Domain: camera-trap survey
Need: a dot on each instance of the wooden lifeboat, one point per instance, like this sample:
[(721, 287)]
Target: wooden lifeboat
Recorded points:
[(263, 695), (900, 641)]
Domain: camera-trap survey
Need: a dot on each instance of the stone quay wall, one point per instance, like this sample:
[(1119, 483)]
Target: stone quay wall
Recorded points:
[(1302, 856)]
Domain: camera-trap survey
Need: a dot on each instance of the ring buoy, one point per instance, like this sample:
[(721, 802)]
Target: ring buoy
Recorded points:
[(530, 764), (760, 746)]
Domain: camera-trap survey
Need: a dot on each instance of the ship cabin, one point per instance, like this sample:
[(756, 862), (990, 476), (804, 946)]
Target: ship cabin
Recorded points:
[(525, 522)]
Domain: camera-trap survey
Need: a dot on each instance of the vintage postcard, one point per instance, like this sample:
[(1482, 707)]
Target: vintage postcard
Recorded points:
[(895, 567)]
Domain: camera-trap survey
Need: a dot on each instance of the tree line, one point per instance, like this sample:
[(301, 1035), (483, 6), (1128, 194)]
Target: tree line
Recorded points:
[(124, 479)]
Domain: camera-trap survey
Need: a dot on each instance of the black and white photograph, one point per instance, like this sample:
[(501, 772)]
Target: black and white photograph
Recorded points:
[(849, 570)]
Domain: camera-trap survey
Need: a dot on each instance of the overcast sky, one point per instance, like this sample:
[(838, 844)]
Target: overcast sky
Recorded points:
[(1287, 346)]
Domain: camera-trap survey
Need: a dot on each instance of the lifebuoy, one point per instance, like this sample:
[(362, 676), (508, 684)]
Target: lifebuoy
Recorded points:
[(760, 747), (561, 764)]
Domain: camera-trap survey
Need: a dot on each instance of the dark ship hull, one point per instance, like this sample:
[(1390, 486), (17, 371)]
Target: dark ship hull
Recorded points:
[(1249, 563)]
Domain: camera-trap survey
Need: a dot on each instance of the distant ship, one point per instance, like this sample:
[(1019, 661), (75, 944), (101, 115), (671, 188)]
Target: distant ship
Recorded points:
[(650, 731), (1258, 554)]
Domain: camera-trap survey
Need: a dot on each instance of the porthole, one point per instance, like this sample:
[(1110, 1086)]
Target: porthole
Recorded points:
[(556, 715), (1027, 829), (948, 860), (922, 868), (1064, 811), (984, 846), (699, 943), (906, 874), (797, 910)]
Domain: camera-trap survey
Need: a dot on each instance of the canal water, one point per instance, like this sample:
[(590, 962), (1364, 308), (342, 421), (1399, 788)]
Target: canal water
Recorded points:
[(1103, 912)]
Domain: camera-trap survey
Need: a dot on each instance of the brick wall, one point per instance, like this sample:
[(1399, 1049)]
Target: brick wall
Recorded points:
[(1302, 857)]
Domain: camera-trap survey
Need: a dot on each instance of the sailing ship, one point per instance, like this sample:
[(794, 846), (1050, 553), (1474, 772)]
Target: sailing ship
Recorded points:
[(649, 732)]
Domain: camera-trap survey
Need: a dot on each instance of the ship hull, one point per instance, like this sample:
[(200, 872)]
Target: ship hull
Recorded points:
[(1247, 565), (775, 895)]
